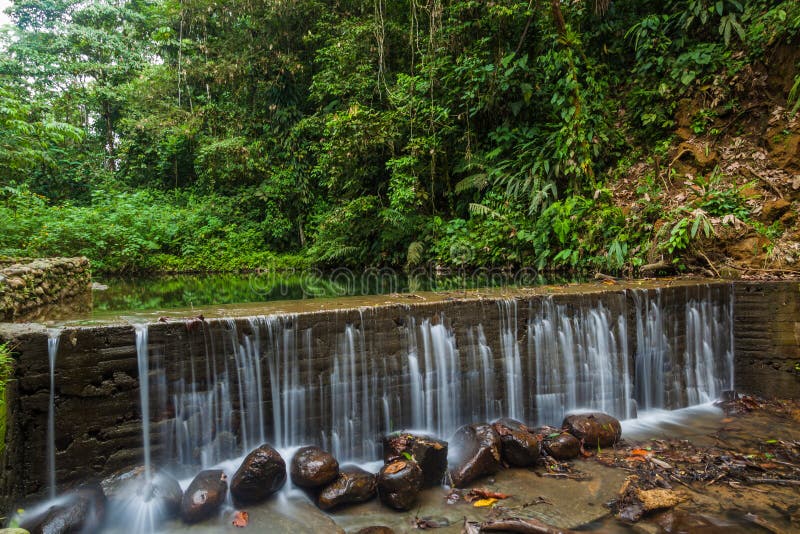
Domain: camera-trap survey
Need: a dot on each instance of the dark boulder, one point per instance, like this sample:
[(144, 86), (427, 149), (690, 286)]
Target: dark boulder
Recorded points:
[(82, 510), (262, 473), (564, 446), (399, 484), (520, 446), (312, 467), (476, 453), (353, 485), (204, 496), (375, 530), (428, 452), (594, 429), (131, 484)]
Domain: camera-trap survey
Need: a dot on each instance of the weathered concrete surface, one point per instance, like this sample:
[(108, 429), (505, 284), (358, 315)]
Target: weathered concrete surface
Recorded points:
[(27, 286), (97, 396), (767, 337)]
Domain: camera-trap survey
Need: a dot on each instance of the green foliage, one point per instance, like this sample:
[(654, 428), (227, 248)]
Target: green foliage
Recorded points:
[(794, 95), (6, 371), (710, 198), (167, 135), (143, 230)]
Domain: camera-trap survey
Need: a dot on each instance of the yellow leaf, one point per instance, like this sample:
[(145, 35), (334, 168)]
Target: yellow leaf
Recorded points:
[(484, 502)]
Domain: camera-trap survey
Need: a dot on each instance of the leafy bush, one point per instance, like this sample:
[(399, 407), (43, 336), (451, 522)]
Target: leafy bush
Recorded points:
[(135, 231)]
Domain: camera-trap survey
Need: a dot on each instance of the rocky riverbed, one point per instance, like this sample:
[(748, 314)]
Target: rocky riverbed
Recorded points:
[(730, 468)]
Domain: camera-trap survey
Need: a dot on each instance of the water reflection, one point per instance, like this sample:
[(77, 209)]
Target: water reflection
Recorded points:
[(188, 291)]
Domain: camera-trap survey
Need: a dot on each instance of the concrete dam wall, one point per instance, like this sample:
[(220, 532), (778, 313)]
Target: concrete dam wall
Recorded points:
[(341, 378)]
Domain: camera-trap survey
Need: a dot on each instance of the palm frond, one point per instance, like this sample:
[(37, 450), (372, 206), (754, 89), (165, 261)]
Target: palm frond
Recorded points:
[(477, 181)]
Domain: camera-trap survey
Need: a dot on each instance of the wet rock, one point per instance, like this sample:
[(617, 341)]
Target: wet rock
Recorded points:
[(399, 484), (375, 530), (204, 496), (82, 511), (312, 467), (565, 446), (262, 473), (594, 429), (132, 484), (428, 452), (476, 453), (353, 485), (519, 446)]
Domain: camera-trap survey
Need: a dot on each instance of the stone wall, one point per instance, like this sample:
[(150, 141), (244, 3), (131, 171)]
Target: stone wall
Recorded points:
[(28, 285), (98, 422)]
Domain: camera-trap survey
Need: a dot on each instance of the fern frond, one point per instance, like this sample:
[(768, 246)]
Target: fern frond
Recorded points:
[(477, 181), (414, 254)]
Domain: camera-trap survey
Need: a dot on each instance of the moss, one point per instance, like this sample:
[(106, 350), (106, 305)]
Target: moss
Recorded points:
[(6, 370)]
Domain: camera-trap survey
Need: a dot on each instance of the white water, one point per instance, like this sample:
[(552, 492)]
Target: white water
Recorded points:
[(580, 360), (143, 365), (512, 363), (53, 337), (258, 380)]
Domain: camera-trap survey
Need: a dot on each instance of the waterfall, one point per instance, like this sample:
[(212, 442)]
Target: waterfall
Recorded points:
[(512, 364), (259, 379), (480, 377), (653, 351), (580, 361), (708, 359), (143, 364), (53, 337), (353, 395)]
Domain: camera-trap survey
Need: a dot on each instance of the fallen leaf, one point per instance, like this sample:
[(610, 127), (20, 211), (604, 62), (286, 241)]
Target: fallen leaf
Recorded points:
[(475, 494), (640, 452), (661, 463), (240, 519), (394, 467), (484, 502)]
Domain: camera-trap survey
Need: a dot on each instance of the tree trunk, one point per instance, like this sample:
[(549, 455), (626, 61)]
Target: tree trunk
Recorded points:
[(558, 17), (110, 163)]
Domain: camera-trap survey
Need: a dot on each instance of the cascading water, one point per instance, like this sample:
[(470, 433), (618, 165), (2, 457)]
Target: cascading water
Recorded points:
[(512, 363), (708, 359), (480, 376), (143, 366), (53, 337), (579, 360), (652, 351), (259, 381), (354, 392), (436, 390), (667, 378)]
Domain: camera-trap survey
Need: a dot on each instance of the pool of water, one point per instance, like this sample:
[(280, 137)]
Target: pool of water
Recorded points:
[(129, 295)]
